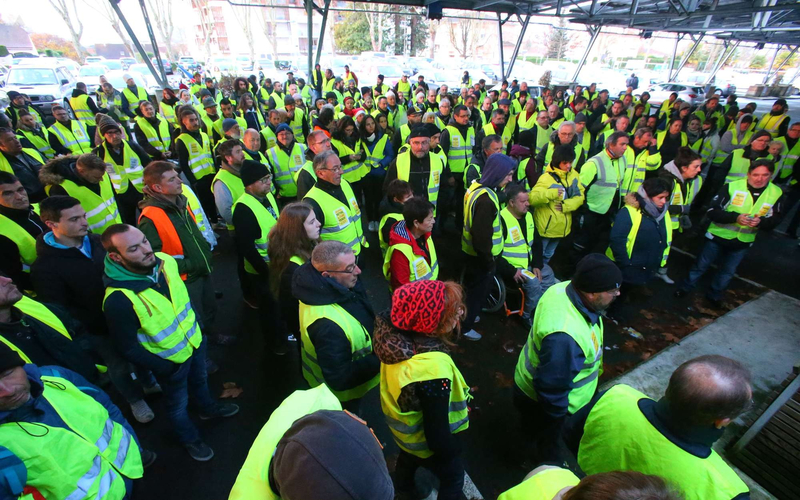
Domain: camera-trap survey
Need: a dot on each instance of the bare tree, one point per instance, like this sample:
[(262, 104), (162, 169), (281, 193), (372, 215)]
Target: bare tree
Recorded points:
[(433, 28), (463, 35), (161, 10), (375, 21), (206, 24), (242, 15), (68, 11), (105, 10), (269, 25)]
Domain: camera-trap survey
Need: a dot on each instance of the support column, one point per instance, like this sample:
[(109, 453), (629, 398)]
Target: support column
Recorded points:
[(686, 57), (772, 63), (595, 32), (310, 15), (783, 63), (514, 54), (678, 38), (153, 42), (500, 38), (139, 48), (325, 11), (726, 54)]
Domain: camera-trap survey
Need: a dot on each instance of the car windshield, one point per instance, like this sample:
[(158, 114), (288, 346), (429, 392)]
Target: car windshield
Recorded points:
[(390, 71), (32, 76), (92, 71), (113, 64), (144, 70)]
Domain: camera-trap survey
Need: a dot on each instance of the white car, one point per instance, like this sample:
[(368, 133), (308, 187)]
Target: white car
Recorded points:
[(45, 85), (660, 92), (90, 75), (94, 59), (115, 79), (150, 83)]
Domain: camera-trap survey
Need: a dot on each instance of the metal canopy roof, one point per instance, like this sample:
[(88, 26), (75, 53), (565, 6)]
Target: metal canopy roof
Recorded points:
[(762, 21)]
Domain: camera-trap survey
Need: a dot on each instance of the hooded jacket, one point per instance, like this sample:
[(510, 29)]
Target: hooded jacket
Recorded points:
[(431, 397), (196, 261), (54, 172), (123, 324), (333, 350), (70, 278), (472, 173), (399, 266), (38, 410), (549, 222), (726, 142), (648, 248), (90, 102)]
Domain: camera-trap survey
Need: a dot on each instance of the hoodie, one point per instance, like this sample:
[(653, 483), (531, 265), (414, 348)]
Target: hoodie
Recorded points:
[(431, 397), (549, 222), (672, 173), (54, 172), (38, 410), (334, 353), (649, 245), (726, 142), (400, 272), (485, 212), (123, 324)]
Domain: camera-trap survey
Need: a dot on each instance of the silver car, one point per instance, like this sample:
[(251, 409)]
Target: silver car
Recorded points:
[(45, 85), (660, 92)]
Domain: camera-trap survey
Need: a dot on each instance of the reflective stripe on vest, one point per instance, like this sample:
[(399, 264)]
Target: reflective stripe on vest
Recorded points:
[(88, 457), (80, 106), (75, 138), (266, 221), (101, 211), (470, 198), (42, 144), (403, 165), (133, 99), (130, 172), (636, 221), (352, 171), (526, 123), (297, 125), (600, 194), (357, 335), (556, 313), (460, 153), (26, 244), (285, 166), (739, 166), (789, 159), (771, 123), (342, 221), (200, 161), (505, 135), (377, 155), (159, 139), (234, 185), (618, 436), (407, 427), (692, 188), (167, 326), (418, 266), (741, 202), (517, 250)]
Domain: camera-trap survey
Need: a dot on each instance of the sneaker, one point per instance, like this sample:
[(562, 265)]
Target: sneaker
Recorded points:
[(373, 226), (148, 457), (473, 335), (155, 389), (291, 338), (222, 410), (200, 451), (666, 279), (211, 367), (142, 412)]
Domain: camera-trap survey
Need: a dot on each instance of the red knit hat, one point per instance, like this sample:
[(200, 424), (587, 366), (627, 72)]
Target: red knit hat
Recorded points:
[(418, 306)]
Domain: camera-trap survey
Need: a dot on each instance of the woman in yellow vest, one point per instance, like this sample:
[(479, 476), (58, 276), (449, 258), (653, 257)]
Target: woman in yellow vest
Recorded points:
[(411, 255), (291, 242), (668, 141), (347, 144), (379, 151), (423, 394), (641, 234), (548, 482), (738, 213)]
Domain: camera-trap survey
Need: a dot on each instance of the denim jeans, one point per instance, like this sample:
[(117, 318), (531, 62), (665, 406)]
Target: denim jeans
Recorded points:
[(549, 246), (727, 260), (190, 379), (534, 289)]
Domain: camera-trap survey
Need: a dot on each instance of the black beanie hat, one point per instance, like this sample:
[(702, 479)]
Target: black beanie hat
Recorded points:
[(332, 455), (252, 171), (9, 358), (596, 273)]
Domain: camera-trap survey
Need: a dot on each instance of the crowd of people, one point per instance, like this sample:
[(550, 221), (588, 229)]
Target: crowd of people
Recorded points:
[(109, 220)]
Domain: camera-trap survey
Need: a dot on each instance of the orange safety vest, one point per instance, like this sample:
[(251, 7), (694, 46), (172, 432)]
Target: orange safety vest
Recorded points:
[(170, 241)]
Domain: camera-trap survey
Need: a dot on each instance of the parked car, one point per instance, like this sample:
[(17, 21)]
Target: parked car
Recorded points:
[(45, 85), (369, 74), (113, 64), (166, 64), (659, 93), (244, 62), (94, 59), (90, 75), (115, 78), (151, 84), (725, 88), (127, 62)]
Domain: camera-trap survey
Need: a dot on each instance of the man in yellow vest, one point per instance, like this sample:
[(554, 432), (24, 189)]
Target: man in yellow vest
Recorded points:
[(24, 163), (286, 158), (255, 213), (336, 323), (72, 414), (298, 454), (20, 225), (482, 235), (33, 135), (152, 321), (83, 107), (557, 371), (84, 177), (131, 95), (17, 103), (152, 132), (521, 262), (672, 437), (125, 162), (419, 166), (548, 482), (334, 203), (227, 185), (193, 149), (564, 134), (776, 122), (68, 136), (738, 213), (305, 178)]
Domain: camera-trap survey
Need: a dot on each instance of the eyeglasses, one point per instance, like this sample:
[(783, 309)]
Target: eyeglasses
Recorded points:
[(267, 179), (334, 169), (348, 270)]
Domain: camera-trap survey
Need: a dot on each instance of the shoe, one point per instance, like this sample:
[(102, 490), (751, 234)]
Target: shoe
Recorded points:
[(200, 451), (222, 410), (142, 412), (148, 457), (666, 279), (291, 338), (220, 339), (152, 390), (211, 367), (473, 335), (477, 319), (250, 303)]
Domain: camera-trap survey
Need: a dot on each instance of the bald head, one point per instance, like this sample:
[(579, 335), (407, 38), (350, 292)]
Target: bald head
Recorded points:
[(252, 139), (709, 390)]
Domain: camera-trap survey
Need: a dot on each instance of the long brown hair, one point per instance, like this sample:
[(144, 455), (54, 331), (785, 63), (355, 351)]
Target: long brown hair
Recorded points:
[(289, 238)]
